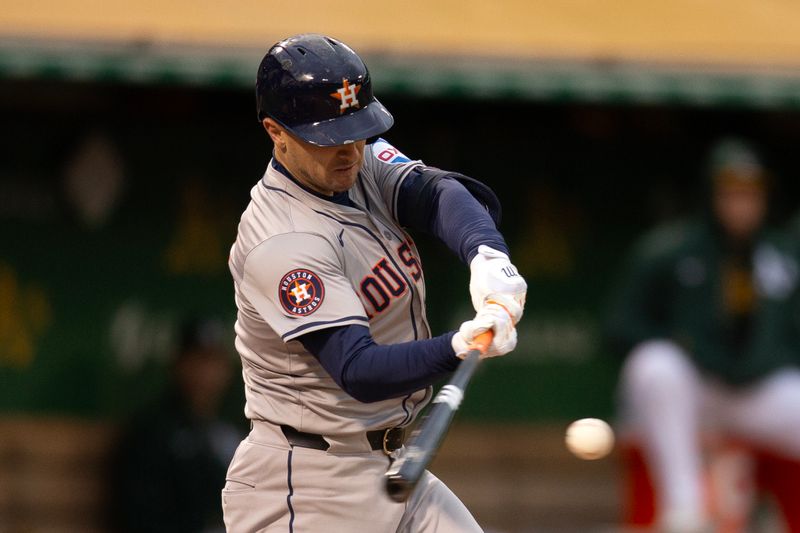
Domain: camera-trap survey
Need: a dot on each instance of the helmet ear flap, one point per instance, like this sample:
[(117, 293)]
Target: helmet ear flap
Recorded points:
[(320, 90)]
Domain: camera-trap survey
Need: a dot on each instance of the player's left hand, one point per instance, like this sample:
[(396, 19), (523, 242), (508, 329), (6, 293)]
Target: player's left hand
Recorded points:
[(492, 316), (493, 277)]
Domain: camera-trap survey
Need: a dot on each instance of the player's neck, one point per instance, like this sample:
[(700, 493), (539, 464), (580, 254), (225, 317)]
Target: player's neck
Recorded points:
[(284, 167)]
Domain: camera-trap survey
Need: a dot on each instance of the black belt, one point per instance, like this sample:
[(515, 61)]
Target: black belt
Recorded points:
[(387, 440)]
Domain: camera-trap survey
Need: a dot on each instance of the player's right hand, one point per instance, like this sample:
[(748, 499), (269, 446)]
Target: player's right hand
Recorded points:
[(492, 316), (492, 276)]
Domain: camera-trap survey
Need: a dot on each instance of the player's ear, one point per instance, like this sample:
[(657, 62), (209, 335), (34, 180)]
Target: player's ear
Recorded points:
[(275, 131)]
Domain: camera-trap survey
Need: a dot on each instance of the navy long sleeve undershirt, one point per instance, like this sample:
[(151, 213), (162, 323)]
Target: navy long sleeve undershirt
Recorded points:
[(371, 372), (453, 215)]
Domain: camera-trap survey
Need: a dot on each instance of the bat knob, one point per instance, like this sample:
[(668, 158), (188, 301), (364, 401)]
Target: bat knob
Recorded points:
[(397, 488)]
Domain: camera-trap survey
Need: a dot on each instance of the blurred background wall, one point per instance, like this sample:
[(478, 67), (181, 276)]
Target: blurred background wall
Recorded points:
[(130, 143)]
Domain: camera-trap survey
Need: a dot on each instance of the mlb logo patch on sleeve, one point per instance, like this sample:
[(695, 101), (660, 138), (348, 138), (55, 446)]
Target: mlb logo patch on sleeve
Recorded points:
[(301, 292), (388, 153)]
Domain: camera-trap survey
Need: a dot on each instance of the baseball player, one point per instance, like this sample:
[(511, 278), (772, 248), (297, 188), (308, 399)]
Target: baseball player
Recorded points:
[(708, 314), (337, 355)]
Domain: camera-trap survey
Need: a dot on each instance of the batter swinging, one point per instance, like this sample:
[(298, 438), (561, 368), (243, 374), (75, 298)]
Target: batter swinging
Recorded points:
[(336, 351)]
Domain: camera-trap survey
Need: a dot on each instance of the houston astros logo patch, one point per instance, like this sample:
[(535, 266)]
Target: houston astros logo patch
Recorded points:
[(301, 292), (347, 95)]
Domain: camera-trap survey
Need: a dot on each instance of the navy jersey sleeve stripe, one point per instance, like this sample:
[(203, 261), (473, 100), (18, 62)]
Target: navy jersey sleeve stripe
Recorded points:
[(395, 194), (370, 372), (289, 335)]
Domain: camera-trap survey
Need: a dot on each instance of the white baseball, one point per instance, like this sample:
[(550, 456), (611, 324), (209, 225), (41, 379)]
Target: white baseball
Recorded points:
[(590, 438)]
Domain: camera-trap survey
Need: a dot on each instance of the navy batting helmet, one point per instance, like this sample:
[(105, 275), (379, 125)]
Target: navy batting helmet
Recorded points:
[(320, 90)]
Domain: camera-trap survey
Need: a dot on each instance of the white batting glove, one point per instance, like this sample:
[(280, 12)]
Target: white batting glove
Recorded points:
[(493, 277), (491, 316)]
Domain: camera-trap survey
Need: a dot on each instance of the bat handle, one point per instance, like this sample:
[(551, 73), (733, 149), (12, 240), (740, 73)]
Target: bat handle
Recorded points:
[(482, 342)]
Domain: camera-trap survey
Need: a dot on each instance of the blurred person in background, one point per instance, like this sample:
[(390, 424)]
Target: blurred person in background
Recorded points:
[(171, 461), (707, 314)]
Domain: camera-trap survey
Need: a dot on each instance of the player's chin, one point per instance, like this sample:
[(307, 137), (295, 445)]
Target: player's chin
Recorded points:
[(344, 179)]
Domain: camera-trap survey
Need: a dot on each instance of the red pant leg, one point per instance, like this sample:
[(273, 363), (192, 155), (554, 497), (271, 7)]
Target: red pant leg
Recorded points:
[(780, 477), (639, 495)]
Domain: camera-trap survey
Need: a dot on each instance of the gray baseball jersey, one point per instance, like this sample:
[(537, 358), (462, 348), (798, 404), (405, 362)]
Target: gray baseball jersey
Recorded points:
[(302, 263)]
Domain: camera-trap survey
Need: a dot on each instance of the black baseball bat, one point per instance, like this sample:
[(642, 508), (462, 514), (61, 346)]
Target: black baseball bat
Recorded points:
[(405, 472)]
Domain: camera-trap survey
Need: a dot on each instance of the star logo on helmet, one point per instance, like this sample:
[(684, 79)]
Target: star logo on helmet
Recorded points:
[(347, 95)]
